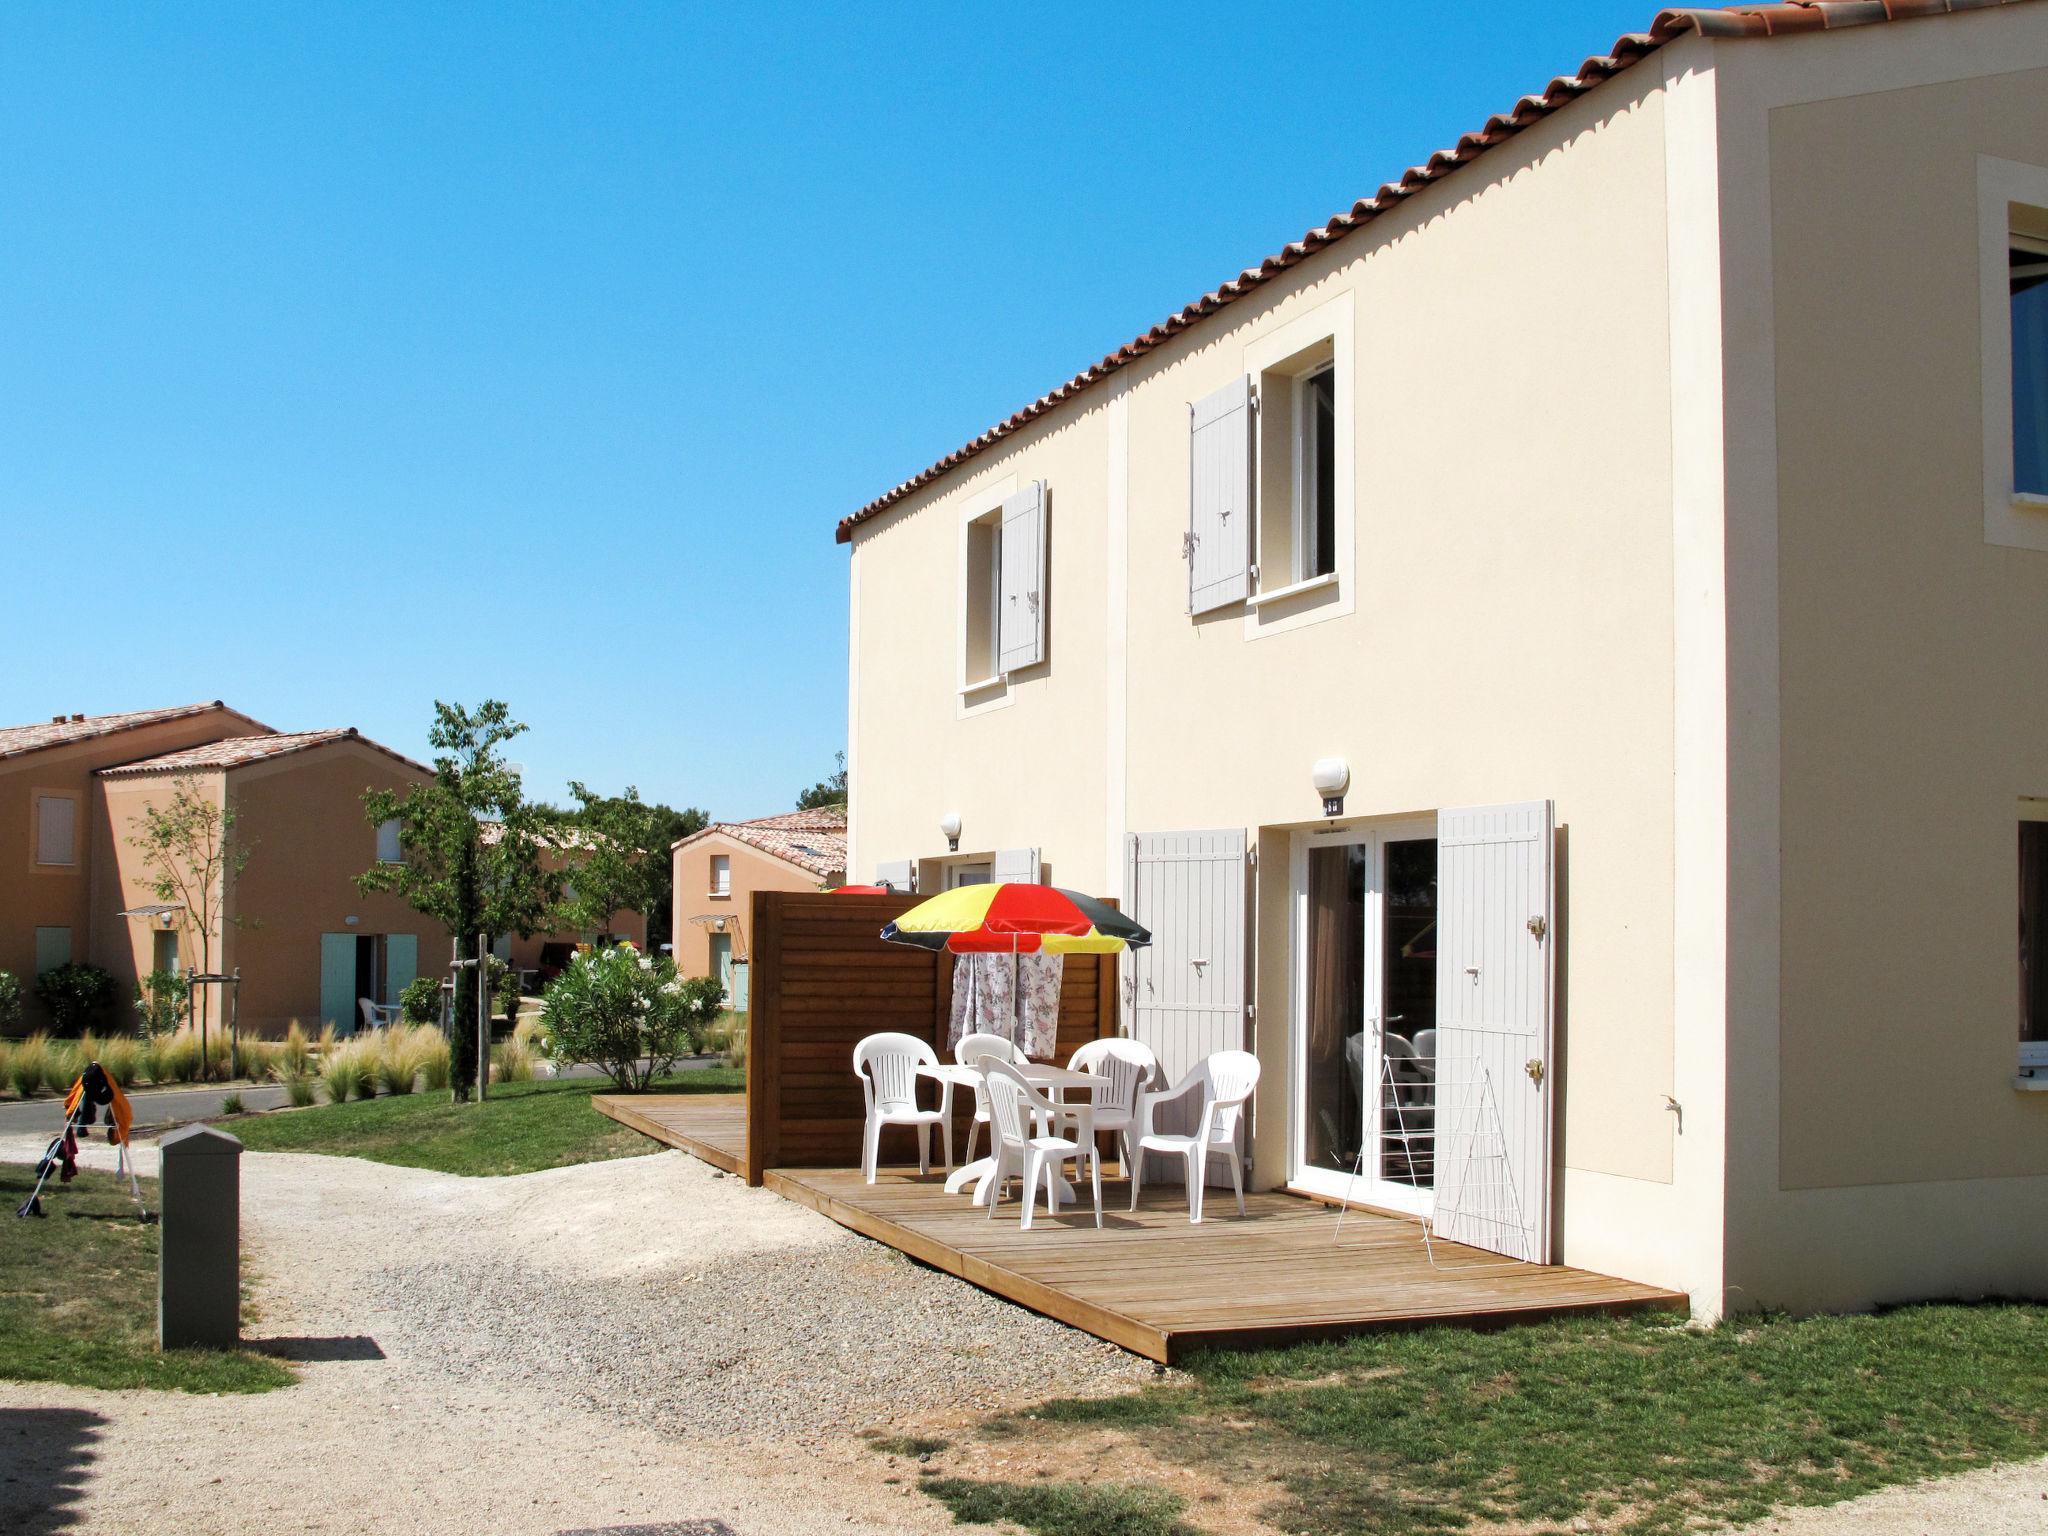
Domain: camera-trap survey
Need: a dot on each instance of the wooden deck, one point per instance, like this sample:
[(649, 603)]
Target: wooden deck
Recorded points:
[(712, 1126), (1159, 1286), (1152, 1282)]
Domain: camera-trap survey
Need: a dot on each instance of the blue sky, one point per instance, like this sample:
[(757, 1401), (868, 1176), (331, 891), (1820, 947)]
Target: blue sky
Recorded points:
[(353, 356)]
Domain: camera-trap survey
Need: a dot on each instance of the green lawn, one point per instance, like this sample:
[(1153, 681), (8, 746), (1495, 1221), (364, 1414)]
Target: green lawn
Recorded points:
[(520, 1128), (1633, 1426), (78, 1296)]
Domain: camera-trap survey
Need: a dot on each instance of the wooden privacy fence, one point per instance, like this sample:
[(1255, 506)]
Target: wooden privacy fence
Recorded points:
[(821, 979)]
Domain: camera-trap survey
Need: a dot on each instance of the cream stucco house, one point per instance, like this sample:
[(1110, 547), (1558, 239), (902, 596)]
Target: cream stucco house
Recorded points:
[(1583, 601)]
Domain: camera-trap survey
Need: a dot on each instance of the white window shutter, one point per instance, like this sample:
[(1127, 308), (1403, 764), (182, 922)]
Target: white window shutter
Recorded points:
[(56, 830), (1493, 1046), (1219, 548), (1015, 866), (388, 848), (1020, 629), (897, 874)]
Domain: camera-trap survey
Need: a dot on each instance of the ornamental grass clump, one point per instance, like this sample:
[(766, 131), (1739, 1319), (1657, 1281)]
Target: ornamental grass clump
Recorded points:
[(436, 1069), (511, 1062), (345, 1074), (122, 1059), (397, 1055), (296, 1057), (178, 1058), (626, 1014), (62, 1065), (298, 1089), (26, 1062)]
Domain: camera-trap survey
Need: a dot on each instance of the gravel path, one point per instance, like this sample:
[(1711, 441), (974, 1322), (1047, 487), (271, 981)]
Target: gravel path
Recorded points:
[(637, 1340)]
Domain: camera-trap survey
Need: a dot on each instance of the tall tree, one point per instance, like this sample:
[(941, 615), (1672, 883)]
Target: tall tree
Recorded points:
[(190, 853), (471, 847), (621, 859), (827, 792)]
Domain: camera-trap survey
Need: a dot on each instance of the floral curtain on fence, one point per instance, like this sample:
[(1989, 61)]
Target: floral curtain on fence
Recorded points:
[(1015, 996)]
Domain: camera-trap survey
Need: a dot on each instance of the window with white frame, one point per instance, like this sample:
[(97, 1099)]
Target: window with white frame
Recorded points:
[(1299, 526), (1003, 597), (721, 874), (389, 849), (2033, 931), (56, 830), (2027, 267)]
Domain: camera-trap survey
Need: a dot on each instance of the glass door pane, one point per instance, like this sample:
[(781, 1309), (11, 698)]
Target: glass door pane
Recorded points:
[(1333, 1047), (1407, 1065)]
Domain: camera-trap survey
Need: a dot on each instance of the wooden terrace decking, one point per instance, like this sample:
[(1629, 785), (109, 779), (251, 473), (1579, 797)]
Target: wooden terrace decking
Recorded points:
[(712, 1126), (1151, 1281)]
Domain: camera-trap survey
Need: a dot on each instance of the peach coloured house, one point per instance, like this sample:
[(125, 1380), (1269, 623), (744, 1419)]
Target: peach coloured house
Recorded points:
[(50, 806), (309, 945), (718, 869), (540, 956)]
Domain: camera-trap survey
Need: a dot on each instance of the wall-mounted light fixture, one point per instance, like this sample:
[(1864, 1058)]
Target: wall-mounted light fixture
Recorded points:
[(949, 824), (1331, 776)]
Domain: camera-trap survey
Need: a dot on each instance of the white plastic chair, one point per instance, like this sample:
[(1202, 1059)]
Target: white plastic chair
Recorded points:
[(1226, 1081), (1131, 1069), (887, 1067), (1033, 1157), (377, 1015), (970, 1052)]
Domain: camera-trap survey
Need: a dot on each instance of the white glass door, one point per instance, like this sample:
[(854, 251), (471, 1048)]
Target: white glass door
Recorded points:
[(1364, 1027)]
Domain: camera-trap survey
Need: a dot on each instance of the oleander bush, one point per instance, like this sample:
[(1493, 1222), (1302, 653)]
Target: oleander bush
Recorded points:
[(625, 1013)]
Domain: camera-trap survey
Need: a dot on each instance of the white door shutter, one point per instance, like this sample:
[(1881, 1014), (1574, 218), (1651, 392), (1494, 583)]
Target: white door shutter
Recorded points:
[(1015, 866), (1188, 986), (1020, 627), (1219, 548), (1493, 1121), (898, 874)]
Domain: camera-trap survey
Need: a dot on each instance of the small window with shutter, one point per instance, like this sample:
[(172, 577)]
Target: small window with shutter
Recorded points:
[(1020, 630), (56, 830), (389, 849), (721, 874)]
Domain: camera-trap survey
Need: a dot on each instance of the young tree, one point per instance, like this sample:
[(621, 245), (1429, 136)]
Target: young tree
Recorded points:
[(190, 853), (472, 846), (621, 859), (827, 792)]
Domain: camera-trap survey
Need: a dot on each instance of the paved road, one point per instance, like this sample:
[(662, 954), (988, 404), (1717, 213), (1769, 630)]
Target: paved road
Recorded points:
[(159, 1108)]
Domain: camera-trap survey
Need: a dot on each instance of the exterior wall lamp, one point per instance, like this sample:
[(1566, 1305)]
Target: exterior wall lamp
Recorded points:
[(949, 825), (1331, 776)]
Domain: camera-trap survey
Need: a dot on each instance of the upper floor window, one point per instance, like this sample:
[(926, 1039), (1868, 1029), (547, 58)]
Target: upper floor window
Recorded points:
[(721, 874), (56, 829), (1003, 588), (2027, 264), (389, 849), (1315, 473)]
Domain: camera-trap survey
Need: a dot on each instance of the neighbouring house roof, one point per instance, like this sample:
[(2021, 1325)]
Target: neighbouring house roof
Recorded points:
[(1794, 17), (64, 730), (240, 751), (814, 841)]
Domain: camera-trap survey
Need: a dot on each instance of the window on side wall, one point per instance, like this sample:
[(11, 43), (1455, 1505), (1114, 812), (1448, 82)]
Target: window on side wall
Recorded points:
[(2033, 934), (1297, 474), (389, 850), (721, 874), (56, 830), (982, 601), (2027, 263), (1003, 601)]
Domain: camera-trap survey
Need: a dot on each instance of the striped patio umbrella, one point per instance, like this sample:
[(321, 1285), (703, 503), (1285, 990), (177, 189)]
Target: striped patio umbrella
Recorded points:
[(1016, 919)]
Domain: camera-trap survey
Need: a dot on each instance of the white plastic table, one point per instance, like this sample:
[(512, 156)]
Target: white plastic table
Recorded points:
[(1054, 1082)]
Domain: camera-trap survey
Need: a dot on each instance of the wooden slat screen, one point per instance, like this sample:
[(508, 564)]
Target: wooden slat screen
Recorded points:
[(821, 979)]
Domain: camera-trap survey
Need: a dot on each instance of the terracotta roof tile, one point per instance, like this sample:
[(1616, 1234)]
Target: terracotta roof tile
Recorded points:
[(62, 732), (811, 840), (240, 751), (1736, 21)]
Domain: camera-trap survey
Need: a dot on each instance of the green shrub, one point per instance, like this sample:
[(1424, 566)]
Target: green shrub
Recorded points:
[(627, 1014), (12, 1001), (298, 1089), (25, 1064), (76, 995), (420, 1001), (159, 1003), (231, 1104)]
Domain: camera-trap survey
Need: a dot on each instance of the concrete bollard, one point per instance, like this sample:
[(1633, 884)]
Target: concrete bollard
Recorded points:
[(199, 1261)]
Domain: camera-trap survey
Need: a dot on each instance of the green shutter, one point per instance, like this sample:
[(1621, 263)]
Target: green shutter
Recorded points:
[(401, 963), (53, 948), (338, 981)]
